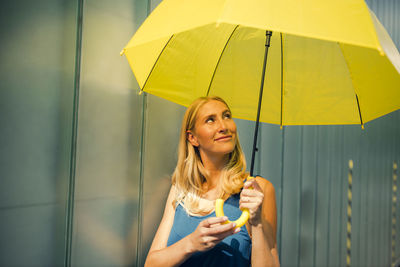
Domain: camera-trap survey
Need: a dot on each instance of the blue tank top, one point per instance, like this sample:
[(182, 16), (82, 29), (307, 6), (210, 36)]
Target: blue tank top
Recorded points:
[(234, 250)]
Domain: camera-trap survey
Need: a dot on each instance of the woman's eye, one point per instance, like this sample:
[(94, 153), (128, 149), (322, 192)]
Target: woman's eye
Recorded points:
[(227, 115), (209, 120)]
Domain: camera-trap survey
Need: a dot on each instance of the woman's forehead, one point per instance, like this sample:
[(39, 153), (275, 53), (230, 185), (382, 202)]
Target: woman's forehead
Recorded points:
[(212, 107)]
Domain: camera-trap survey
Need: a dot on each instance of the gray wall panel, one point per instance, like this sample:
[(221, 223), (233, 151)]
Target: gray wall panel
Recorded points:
[(308, 195), (343, 172), (292, 176), (162, 136), (365, 174), (351, 143), (109, 130), (32, 236), (368, 165), (246, 132), (335, 199), (36, 91), (31, 87), (322, 206), (270, 155), (104, 234)]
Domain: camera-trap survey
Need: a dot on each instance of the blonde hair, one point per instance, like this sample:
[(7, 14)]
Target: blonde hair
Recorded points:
[(190, 174)]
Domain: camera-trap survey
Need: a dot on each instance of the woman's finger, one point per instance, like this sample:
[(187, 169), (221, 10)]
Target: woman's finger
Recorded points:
[(251, 193), (222, 236), (252, 207), (252, 183), (224, 228), (213, 220)]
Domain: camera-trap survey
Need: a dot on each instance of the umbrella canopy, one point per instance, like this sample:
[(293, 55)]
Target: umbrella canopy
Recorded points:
[(330, 62)]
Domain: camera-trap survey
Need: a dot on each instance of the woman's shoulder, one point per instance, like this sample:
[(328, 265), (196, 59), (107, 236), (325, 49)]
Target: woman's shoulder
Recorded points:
[(170, 204), (265, 184)]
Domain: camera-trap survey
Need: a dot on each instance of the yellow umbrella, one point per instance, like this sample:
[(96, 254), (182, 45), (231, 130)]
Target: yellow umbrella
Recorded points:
[(329, 62), (323, 56)]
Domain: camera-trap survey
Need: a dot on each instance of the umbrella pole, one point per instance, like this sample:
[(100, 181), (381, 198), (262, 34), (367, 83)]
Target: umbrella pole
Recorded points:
[(268, 35)]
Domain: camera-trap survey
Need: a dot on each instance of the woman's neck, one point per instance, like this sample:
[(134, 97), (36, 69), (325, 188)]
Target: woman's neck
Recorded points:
[(214, 164)]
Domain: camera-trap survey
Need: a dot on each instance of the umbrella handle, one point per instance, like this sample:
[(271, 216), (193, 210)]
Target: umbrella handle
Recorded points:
[(219, 211)]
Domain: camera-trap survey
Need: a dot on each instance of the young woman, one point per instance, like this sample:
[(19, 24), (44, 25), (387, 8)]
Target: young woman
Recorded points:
[(211, 165)]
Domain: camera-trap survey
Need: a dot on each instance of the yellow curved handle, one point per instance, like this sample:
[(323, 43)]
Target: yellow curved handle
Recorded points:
[(219, 212)]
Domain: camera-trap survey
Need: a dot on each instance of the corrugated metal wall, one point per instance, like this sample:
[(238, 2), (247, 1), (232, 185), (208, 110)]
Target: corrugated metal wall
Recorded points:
[(126, 151)]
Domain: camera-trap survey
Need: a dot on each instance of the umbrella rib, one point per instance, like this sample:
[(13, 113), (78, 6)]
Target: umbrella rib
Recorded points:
[(155, 63), (219, 59), (359, 112), (358, 103)]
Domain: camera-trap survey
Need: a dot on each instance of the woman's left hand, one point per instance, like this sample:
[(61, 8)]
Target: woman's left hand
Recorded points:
[(252, 198)]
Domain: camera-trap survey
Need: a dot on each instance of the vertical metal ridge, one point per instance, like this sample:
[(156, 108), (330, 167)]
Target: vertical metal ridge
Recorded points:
[(281, 193), (141, 182), (358, 159), (341, 169), (141, 162), (368, 237), (72, 172), (329, 210), (300, 196), (316, 197), (281, 123)]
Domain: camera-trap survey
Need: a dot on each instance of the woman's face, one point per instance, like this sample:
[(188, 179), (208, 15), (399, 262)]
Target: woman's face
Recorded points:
[(214, 131)]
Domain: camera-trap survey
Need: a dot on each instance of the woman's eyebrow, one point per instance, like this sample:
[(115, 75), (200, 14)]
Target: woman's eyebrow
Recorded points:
[(215, 114), (227, 111), (208, 115)]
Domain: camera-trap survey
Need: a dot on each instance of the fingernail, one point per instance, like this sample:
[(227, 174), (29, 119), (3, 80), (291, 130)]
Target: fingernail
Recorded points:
[(237, 230)]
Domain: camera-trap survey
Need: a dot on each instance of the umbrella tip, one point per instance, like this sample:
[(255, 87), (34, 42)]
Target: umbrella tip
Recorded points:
[(381, 52), (362, 126), (122, 52)]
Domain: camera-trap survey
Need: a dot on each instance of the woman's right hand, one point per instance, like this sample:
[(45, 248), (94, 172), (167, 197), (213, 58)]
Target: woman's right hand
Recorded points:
[(210, 232)]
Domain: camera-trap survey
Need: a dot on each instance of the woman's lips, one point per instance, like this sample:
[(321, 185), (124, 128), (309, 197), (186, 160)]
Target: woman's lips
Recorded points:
[(222, 138)]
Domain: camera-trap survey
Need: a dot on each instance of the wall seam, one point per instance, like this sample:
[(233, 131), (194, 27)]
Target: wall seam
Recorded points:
[(139, 249), (316, 195), (71, 186), (281, 194), (300, 196)]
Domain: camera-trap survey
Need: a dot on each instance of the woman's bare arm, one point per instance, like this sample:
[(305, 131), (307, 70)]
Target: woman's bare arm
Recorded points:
[(157, 255), (264, 252), (262, 223)]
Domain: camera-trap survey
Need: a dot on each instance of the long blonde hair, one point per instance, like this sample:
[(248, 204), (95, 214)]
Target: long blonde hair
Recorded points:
[(190, 174)]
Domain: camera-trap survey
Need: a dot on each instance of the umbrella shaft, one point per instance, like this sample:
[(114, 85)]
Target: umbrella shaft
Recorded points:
[(253, 154)]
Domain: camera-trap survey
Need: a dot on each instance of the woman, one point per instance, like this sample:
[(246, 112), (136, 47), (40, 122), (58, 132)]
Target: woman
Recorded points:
[(211, 165)]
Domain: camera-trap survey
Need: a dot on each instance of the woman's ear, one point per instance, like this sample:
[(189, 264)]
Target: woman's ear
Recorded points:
[(191, 138)]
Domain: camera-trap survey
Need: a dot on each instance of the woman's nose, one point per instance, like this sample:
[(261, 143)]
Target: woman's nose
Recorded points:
[(222, 127)]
